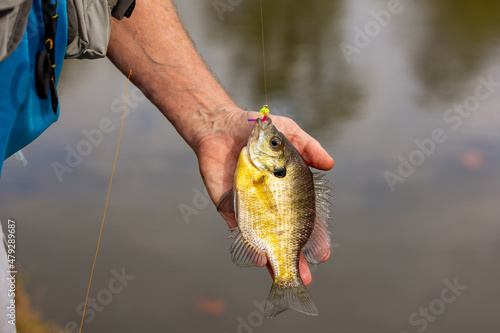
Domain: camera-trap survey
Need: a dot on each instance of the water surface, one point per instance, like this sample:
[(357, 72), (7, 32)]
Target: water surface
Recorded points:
[(395, 247)]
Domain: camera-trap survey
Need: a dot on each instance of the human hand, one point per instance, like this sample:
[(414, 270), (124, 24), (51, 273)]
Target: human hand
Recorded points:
[(219, 147), (171, 74)]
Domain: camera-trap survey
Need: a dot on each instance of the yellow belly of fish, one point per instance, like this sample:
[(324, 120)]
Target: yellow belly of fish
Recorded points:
[(264, 218)]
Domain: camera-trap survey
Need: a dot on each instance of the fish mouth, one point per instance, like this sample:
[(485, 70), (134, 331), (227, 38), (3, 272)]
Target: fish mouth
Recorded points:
[(261, 131), (264, 125), (260, 126)]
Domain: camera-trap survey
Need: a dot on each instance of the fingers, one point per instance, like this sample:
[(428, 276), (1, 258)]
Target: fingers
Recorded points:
[(309, 148), (305, 273), (316, 156)]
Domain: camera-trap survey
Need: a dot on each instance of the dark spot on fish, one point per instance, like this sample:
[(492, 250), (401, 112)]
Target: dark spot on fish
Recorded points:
[(276, 143), (280, 172)]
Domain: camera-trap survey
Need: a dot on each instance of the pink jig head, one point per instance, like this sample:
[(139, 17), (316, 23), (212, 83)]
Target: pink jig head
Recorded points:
[(263, 113)]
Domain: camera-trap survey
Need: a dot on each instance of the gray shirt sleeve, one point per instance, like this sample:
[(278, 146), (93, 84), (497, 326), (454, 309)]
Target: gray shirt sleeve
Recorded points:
[(13, 20), (89, 26)]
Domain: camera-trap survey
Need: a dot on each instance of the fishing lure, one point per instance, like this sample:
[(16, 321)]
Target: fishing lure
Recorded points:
[(263, 113)]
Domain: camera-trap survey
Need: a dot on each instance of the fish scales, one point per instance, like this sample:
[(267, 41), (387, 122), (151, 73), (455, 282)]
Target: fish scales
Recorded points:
[(280, 205)]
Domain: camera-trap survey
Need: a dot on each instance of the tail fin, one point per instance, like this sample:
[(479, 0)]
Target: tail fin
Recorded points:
[(295, 298)]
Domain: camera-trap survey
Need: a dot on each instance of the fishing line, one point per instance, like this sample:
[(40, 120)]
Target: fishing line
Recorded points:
[(263, 50), (106, 206)]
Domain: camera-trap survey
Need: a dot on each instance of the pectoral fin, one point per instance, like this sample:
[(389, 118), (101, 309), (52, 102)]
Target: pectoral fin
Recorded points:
[(318, 246), (226, 203), (268, 202)]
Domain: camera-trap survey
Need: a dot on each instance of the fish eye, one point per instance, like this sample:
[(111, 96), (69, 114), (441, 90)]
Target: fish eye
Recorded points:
[(275, 142)]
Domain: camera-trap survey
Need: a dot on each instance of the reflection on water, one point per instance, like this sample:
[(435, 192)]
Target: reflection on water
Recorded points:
[(302, 58), (460, 36), (396, 249)]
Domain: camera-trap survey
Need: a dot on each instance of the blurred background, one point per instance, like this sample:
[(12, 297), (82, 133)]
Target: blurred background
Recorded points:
[(405, 97)]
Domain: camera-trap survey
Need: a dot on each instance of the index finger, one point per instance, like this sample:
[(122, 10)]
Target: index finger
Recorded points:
[(316, 156), (308, 147), (311, 151)]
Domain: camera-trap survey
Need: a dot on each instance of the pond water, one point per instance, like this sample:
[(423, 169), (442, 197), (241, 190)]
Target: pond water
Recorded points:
[(405, 97)]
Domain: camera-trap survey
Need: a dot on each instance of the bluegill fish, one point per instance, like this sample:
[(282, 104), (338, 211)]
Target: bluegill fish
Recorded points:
[(281, 209)]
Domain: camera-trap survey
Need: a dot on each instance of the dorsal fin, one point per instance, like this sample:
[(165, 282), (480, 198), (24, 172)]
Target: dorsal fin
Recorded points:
[(318, 245)]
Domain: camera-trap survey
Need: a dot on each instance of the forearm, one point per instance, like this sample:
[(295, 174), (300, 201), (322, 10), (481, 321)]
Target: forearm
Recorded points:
[(166, 67)]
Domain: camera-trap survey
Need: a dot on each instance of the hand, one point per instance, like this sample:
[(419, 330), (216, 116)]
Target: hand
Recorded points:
[(172, 75), (218, 150)]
